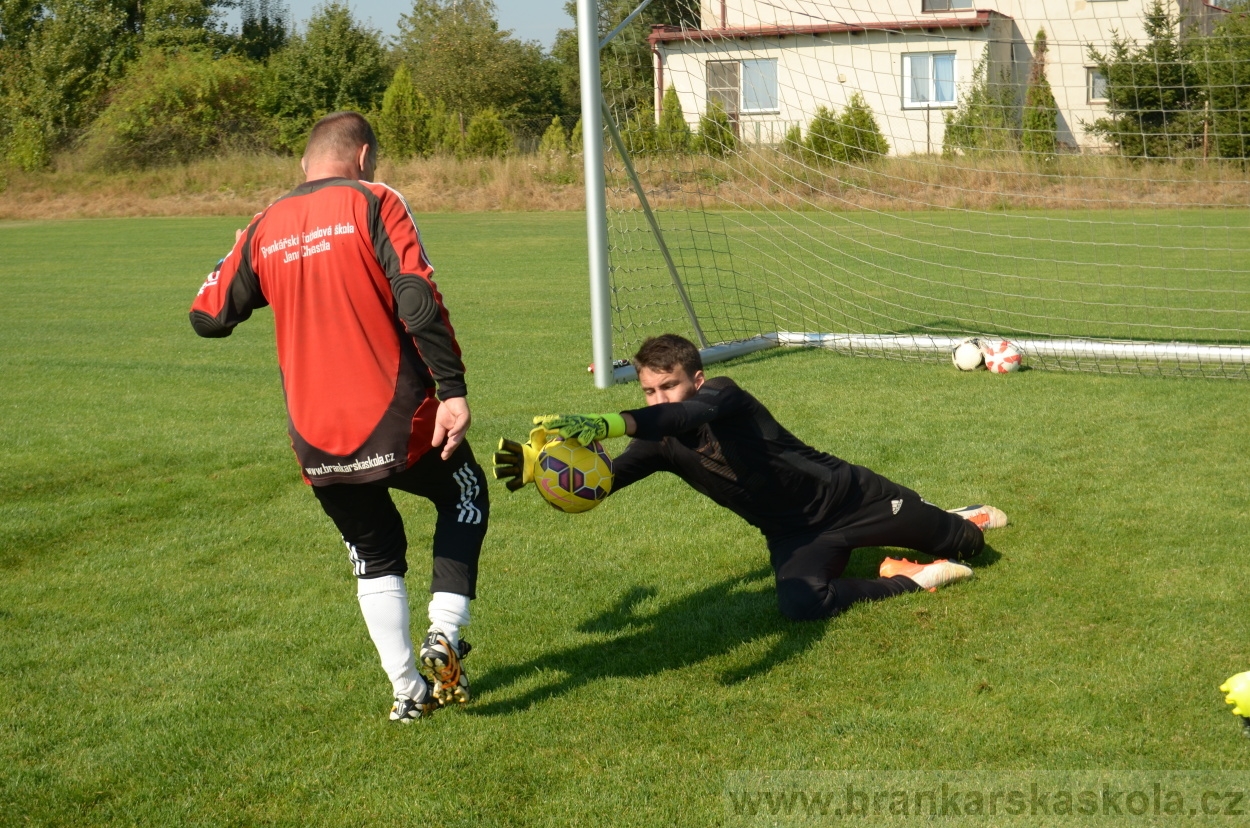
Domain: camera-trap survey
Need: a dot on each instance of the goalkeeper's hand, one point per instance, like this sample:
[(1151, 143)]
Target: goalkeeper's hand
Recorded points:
[(514, 462), (584, 428)]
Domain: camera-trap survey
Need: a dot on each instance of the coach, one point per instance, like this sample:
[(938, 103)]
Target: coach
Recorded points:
[(374, 386)]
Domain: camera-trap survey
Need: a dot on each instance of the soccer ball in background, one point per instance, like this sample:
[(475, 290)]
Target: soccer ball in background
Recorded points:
[(967, 355), (573, 478), (1001, 357)]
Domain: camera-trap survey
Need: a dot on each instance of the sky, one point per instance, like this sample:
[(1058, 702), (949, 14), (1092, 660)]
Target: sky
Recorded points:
[(528, 19)]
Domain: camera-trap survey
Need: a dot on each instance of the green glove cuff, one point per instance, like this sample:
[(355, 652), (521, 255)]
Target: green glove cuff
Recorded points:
[(616, 425)]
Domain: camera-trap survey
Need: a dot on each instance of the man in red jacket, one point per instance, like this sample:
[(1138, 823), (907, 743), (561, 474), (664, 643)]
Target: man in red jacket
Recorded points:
[(374, 386)]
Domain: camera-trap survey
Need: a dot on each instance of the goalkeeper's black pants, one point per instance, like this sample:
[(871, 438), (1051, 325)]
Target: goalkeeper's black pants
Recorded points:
[(374, 531), (878, 512)]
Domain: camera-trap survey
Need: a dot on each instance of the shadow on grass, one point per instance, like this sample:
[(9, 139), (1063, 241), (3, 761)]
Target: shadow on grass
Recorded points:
[(704, 624)]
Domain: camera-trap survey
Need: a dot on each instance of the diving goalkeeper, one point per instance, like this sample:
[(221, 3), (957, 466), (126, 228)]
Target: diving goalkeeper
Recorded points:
[(813, 508)]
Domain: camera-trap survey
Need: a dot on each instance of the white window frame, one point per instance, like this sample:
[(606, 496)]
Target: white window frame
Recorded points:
[(742, 88), (1090, 73), (931, 102)]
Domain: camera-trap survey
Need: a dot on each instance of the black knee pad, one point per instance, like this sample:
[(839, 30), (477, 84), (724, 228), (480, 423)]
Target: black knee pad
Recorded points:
[(800, 599)]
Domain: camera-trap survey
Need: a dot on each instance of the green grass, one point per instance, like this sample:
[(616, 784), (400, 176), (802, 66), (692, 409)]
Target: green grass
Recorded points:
[(180, 643)]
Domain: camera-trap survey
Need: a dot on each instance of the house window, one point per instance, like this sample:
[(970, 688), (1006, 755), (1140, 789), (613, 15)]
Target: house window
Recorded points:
[(743, 85), (759, 85), (723, 84), (944, 5), (1095, 86), (929, 79)]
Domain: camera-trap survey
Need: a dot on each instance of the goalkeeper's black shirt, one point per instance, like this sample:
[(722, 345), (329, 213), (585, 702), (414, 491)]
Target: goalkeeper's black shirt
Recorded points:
[(726, 444)]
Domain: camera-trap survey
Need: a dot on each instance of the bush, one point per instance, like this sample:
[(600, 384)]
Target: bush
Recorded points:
[(554, 142), (861, 135), (576, 140), (716, 135), (640, 135), (404, 123), (172, 108), (446, 131), (848, 138), (1041, 113), (824, 136), (672, 133), (486, 136), (792, 144), (27, 145)]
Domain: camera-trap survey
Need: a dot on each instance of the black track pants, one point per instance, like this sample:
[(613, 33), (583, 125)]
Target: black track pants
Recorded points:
[(374, 531), (879, 513)]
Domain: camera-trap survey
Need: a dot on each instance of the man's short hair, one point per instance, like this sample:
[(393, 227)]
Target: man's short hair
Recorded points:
[(665, 352), (341, 135)]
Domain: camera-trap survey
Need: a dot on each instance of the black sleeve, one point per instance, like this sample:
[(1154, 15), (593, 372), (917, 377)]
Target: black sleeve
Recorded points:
[(719, 397), (422, 315), (418, 305), (639, 459), (230, 293)]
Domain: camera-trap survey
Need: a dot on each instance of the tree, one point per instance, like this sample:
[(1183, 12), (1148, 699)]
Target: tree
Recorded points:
[(1154, 92), (404, 123), (1224, 60), (264, 28), (335, 64), (673, 133), (986, 118), (625, 64), (716, 134), (458, 54), (1041, 113)]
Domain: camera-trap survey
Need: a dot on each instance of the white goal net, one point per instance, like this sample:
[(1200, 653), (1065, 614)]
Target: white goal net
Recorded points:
[(888, 177)]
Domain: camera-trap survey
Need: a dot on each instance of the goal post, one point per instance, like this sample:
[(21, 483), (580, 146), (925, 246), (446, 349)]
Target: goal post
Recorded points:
[(889, 177)]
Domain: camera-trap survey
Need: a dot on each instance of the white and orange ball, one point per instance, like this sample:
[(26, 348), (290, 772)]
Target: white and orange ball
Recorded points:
[(571, 477), (1001, 357)]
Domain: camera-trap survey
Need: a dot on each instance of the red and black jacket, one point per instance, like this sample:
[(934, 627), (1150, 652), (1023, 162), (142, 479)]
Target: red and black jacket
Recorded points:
[(365, 345)]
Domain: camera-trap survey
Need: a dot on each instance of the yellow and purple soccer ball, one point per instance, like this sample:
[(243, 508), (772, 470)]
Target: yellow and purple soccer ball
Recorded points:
[(571, 477)]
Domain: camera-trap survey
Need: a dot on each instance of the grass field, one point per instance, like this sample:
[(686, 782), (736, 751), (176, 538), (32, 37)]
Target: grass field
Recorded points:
[(180, 643)]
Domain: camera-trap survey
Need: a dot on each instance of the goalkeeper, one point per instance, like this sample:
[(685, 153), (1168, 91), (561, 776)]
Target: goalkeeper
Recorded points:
[(813, 508)]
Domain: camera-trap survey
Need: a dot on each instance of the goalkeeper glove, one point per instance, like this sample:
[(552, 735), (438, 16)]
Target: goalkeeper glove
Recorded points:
[(584, 428), (514, 462)]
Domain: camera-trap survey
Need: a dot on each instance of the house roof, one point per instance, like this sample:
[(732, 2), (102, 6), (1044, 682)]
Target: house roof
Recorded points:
[(661, 34)]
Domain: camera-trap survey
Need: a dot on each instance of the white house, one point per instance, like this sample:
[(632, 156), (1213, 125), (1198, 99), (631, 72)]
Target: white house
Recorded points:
[(771, 63)]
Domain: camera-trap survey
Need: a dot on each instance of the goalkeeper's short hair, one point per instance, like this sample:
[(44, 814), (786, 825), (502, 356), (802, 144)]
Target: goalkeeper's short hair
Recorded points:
[(665, 352)]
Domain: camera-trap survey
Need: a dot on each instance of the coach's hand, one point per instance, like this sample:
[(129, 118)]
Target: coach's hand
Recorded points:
[(584, 428), (451, 422), (514, 462)]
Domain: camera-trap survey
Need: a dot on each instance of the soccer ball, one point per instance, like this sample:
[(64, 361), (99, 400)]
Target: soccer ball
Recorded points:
[(967, 355), (1001, 357), (573, 478)]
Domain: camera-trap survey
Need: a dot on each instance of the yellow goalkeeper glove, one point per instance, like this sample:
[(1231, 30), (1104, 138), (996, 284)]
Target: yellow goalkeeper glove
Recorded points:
[(514, 462), (584, 428)]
